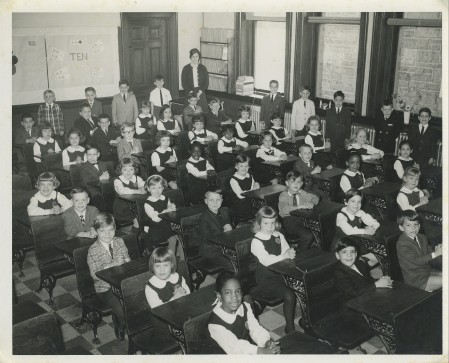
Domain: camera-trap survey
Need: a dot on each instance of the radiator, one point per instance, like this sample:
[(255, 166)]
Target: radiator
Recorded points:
[(255, 116), (370, 132), (402, 136), (439, 161)]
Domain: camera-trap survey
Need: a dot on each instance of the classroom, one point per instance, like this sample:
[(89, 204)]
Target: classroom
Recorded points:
[(227, 183)]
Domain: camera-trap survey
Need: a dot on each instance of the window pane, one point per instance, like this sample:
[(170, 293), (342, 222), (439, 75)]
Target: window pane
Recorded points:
[(342, 15), (338, 50), (269, 54)]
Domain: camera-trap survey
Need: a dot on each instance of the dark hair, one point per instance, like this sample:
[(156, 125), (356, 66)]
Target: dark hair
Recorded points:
[(194, 51), (77, 190), (242, 158), (223, 277), (303, 146), (83, 106), (213, 189), (192, 94), (274, 81), (276, 115), (26, 115), (410, 215), (339, 93), (161, 134), (314, 118), (351, 193), (146, 104), (227, 128), (161, 112), (405, 142), (159, 77), (163, 254), (305, 88), (411, 170), (425, 109), (76, 132), (351, 153), (123, 81), (265, 133), (87, 89), (127, 162), (92, 147), (244, 108), (103, 219), (345, 242), (46, 126), (195, 144), (197, 118), (387, 102), (213, 100), (154, 180), (265, 212), (293, 175), (47, 176), (104, 115)]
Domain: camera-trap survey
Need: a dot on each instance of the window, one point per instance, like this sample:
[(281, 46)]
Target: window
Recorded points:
[(338, 52), (269, 54)]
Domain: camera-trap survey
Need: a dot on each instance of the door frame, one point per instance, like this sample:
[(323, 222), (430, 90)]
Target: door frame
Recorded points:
[(172, 51)]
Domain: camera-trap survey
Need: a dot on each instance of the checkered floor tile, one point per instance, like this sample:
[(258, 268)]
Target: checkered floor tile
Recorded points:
[(68, 311)]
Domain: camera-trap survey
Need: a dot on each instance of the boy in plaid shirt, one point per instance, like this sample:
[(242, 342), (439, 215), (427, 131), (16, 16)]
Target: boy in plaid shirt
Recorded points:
[(51, 112)]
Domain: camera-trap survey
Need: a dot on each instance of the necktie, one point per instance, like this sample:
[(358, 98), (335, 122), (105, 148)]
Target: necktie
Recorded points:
[(82, 218), (272, 98), (91, 123), (338, 110), (131, 143), (304, 104), (91, 104), (295, 201), (162, 100), (124, 98), (422, 130), (416, 239), (106, 132), (111, 251)]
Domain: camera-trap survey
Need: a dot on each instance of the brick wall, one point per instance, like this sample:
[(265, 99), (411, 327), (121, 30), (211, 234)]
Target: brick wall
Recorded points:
[(418, 68)]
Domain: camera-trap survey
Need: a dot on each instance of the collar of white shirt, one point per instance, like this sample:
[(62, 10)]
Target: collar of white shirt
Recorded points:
[(72, 149), (191, 159), (43, 199), (425, 127), (266, 149), (106, 245), (406, 190), (44, 142), (305, 162), (153, 199), (314, 133), (238, 176), (161, 283), (402, 158), (49, 104), (226, 140), (351, 173), (350, 215), (356, 269), (227, 317), (273, 95), (133, 179), (162, 150), (264, 236), (83, 213)]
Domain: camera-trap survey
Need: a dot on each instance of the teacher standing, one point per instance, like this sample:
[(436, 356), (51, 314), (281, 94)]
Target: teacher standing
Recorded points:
[(195, 77)]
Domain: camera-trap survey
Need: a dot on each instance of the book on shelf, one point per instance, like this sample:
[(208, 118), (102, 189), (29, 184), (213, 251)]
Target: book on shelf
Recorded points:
[(215, 65), (216, 35), (217, 51), (218, 83)]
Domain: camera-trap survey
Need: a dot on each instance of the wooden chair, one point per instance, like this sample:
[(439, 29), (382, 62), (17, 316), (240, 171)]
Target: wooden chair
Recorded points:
[(370, 132), (247, 264), (402, 136), (141, 335), (51, 262), (326, 316), (75, 176), (197, 336)]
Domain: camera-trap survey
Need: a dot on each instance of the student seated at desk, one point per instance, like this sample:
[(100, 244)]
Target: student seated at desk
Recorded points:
[(158, 230), (306, 166), (352, 177), (404, 160), (352, 274), (191, 110), (414, 254), (199, 133), (198, 170), (145, 122), (314, 137), (226, 145), (128, 182), (267, 152), (409, 196), (47, 201), (279, 132), (27, 133), (244, 123), (215, 118), (74, 153), (129, 144), (353, 220), (359, 143), (79, 219), (104, 137), (270, 246), (242, 181), (45, 144), (166, 123), (232, 324), (162, 155), (107, 251), (93, 170), (295, 198)]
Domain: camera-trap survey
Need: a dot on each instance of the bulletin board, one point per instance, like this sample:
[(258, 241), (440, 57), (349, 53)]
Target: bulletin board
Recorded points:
[(72, 60)]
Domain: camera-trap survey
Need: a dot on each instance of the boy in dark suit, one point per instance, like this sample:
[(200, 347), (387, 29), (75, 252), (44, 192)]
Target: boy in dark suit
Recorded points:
[(191, 110), (102, 138), (79, 218), (28, 133), (216, 117), (86, 123), (424, 140), (96, 106), (414, 254), (124, 105), (338, 122), (352, 274), (214, 220), (388, 124), (271, 103)]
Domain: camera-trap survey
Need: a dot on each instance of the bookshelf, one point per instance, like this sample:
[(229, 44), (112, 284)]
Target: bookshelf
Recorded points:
[(217, 54)]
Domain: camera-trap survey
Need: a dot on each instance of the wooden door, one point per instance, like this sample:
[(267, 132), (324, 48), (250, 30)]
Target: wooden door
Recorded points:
[(148, 50)]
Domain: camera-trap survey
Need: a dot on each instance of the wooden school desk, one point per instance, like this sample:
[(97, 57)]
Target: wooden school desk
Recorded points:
[(281, 167), (407, 319), (132, 200), (69, 246), (377, 168), (254, 137), (106, 191), (228, 240), (329, 182), (382, 196), (431, 179), (330, 156), (291, 145), (320, 221), (432, 211), (259, 196), (178, 311)]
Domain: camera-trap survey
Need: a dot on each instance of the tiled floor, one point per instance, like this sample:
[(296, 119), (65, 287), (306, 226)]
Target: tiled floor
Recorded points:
[(68, 312)]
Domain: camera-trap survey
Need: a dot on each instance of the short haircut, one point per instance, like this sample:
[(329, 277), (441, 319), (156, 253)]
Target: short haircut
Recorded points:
[(47, 176), (92, 147), (78, 190), (26, 115), (352, 193), (194, 145), (351, 153), (411, 170), (87, 89), (163, 254), (223, 277), (145, 104), (405, 142), (83, 106), (303, 146), (293, 175), (242, 158), (305, 88), (265, 133), (213, 189), (161, 112), (104, 219), (155, 180), (161, 134), (48, 91), (387, 102), (46, 126), (74, 131), (276, 115), (197, 118), (104, 115), (159, 77), (314, 118), (192, 94), (125, 125), (275, 82), (244, 108), (345, 242), (123, 81), (127, 162), (227, 128), (408, 215), (194, 51), (425, 109), (339, 93), (214, 100), (265, 212)]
